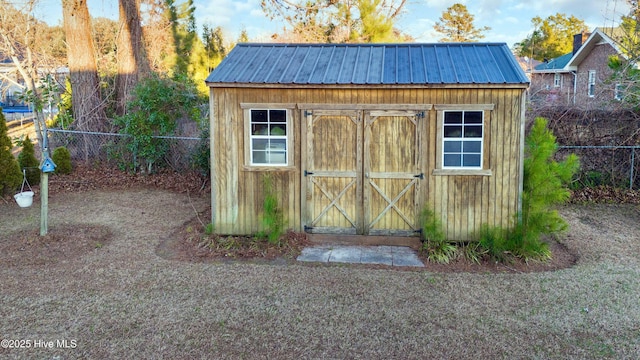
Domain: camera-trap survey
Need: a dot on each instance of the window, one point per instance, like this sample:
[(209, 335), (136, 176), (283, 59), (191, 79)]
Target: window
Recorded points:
[(619, 92), (556, 80), (592, 83), (462, 139), (268, 143)]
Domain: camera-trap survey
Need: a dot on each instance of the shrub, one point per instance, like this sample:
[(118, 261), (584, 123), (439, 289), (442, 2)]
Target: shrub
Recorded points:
[(157, 105), (200, 157), (62, 158), (434, 239), (10, 174), (28, 162)]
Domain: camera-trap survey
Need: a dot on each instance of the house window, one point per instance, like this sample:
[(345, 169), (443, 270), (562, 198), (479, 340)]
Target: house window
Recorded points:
[(462, 139), (268, 140), (618, 92), (592, 83), (556, 80)]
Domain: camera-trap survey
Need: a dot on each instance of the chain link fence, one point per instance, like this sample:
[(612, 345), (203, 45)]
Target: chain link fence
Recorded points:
[(615, 166), (179, 152)]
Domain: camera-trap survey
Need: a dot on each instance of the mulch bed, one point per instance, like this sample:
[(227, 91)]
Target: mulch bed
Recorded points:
[(192, 244), (61, 243)]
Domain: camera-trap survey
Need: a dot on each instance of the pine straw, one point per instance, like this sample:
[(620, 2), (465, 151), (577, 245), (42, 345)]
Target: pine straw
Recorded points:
[(122, 300)]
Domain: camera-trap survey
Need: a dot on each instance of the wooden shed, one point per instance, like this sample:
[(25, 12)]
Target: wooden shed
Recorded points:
[(359, 138)]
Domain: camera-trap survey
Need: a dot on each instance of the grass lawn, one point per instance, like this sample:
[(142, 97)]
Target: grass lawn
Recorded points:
[(109, 295)]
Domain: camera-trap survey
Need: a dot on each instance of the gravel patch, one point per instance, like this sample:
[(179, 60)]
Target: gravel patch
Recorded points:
[(122, 300)]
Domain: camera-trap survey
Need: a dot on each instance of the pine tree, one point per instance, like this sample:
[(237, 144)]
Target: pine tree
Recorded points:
[(456, 24), (28, 162), (545, 182), (10, 175)]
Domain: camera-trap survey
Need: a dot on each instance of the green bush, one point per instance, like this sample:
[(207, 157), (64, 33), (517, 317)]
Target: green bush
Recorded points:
[(10, 174), (62, 158), (158, 103), (28, 162), (201, 155), (434, 239)]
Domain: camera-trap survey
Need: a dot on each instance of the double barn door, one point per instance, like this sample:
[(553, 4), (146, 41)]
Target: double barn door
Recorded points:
[(361, 171)]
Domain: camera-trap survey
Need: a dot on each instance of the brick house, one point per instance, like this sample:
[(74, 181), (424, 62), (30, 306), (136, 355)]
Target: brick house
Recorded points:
[(581, 78)]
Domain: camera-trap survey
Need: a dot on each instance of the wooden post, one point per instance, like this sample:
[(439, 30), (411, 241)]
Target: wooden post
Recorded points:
[(44, 204)]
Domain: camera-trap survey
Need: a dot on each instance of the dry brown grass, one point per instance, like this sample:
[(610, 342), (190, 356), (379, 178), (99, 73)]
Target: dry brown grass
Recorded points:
[(122, 300)]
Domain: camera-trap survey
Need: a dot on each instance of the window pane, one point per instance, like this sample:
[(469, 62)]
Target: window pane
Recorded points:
[(452, 146), (453, 131), (259, 129), (452, 160), (473, 117), (472, 147), (473, 131), (259, 144), (278, 144), (259, 157), (276, 157), (453, 117), (278, 129), (258, 115), (471, 160), (278, 116)]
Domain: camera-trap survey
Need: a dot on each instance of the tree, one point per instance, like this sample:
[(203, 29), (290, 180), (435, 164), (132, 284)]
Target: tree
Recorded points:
[(10, 176), (626, 74), (158, 35), (214, 45), (28, 162), (88, 107), (337, 21), (104, 32), (132, 60), (552, 37), (456, 24)]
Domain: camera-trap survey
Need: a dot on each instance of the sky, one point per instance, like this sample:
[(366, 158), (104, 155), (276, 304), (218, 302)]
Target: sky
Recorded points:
[(509, 20)]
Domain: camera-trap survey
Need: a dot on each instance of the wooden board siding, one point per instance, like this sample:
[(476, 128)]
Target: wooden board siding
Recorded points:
[(463, 202)]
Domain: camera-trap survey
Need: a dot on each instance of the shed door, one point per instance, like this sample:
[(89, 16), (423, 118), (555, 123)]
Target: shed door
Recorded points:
[(361, 172), (333, 171), (391, 172)]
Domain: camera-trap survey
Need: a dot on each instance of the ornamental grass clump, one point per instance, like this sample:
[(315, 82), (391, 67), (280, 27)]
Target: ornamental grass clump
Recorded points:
[(435, 242)]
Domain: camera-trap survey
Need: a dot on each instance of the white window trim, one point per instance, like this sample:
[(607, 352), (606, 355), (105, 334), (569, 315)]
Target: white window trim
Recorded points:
[(557, 80), (484, 170), (618, 91), (248, 143), (591, 84)]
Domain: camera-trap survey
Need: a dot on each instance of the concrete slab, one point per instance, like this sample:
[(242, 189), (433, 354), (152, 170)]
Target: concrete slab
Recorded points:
[(384, 255)]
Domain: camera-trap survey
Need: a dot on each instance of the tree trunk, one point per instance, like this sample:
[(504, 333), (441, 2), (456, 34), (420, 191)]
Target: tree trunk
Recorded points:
[(132, 60), (88, 107)]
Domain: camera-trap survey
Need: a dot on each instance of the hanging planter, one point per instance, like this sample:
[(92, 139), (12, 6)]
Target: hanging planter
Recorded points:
[(24, 198)]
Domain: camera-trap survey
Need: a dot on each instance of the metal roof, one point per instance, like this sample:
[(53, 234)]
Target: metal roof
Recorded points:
[(369, 64), (555, 64)]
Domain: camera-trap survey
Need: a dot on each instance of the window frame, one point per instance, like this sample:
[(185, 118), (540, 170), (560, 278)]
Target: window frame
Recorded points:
[(484, 168), (591, 83), (618, 92), (249, 163), (557, 80)]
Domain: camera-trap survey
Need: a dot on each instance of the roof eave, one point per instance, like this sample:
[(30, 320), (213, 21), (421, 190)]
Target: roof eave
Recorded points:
[(370, 86)]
